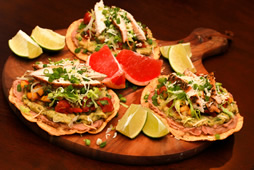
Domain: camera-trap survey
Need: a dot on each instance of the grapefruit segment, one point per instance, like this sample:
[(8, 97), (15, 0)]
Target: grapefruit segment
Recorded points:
[(139, 69), (104, 62)]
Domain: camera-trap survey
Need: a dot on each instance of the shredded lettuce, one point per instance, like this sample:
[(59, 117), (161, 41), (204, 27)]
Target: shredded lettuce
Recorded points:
[(194, 113), (73, 95), (231, 114)]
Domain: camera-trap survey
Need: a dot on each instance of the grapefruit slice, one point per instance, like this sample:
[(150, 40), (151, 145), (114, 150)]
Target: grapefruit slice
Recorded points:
[(105, 62), (139, 69)]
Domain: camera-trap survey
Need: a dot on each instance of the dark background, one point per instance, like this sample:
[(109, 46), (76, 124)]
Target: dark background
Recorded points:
[(20, 148)]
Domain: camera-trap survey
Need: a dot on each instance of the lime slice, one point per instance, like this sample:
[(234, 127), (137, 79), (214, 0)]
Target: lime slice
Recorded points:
[(24, 46), (48, 39), (165, 49), (179, 59), (154, 126), (132, 121)]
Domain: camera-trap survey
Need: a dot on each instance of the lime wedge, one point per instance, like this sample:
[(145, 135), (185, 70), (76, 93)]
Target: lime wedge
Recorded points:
[(132, 121), (179, 59), (48, 39), (154, 126), (165, 49), (24, 46), (187, 47)]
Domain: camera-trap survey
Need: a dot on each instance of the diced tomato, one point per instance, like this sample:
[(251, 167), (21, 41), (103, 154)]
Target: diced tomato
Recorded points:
[(40, 92), (24, 83), (87, 17), (120, 46), (75, 110), (32, 96), (163, 91), (85, 109), (143, 45), (62, 106), (89, 106), (145, 31), (225, 105), (45, 99), (106, 107), (92, 108), (213, 114), (170, 103)]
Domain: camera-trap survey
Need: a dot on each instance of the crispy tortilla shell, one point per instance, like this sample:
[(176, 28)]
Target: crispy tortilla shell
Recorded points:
[(69, 40), (72, 45), (179, 134), (58, 129)]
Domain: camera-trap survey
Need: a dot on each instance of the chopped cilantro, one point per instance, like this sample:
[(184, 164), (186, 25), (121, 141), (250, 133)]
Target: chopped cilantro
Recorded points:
[(103, 102), (150, 41), (179, 74), (98, 47), (154, 99), (162, 80), (217, 136), (79, 38), (82, 26), (118, 20), (74, 79), (109, 96), (207, 98), (107, 23), (207, 85), (82, 90), (146, 96), (176, 87), (181, 96), (134, 87), (103, 144), (104, 12), (84, 51), (195, 86), (87, 142), (19, 89), (77, 50), (81, 71), (117, 38), (123, 99)]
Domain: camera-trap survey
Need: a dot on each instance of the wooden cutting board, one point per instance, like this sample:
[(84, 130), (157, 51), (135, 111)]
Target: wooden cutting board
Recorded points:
[(141, 150)]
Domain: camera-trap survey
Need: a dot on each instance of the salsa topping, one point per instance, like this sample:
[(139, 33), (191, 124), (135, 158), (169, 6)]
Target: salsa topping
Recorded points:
[(114, 27), (65, 95), (193, 100)]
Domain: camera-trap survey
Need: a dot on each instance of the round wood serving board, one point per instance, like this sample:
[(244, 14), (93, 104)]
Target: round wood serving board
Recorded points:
[(141, 150)]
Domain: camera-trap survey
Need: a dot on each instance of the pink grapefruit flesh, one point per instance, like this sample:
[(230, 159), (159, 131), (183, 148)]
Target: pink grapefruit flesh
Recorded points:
[(104, 62), (139, 69)]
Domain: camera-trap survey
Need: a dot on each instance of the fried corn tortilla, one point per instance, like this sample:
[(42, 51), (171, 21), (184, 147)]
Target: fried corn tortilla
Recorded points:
[(111, 26), (73, 102), (217, 131), (71, 42), (59, 129)]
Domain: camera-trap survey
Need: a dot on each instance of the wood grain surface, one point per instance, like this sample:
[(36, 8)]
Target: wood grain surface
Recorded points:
[(21, 148), (204, 42)]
